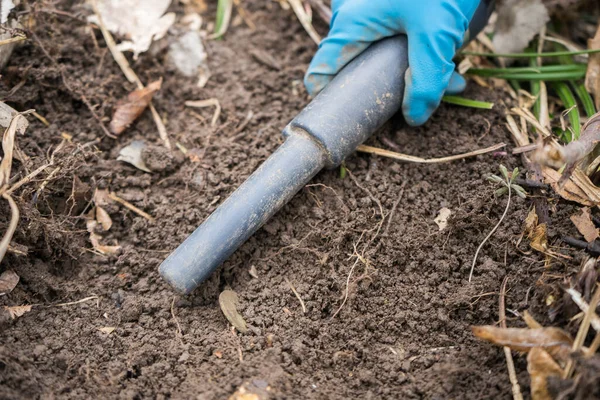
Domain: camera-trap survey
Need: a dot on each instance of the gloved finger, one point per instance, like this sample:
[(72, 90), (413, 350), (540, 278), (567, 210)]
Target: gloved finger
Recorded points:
[(430, 69), (457, 84), (351, 33)]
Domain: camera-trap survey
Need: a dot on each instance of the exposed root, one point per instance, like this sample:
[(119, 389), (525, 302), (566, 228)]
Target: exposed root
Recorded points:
[(296, 294)]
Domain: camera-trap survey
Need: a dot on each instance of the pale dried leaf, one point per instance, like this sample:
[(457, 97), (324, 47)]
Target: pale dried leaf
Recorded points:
[(7, 113), (228, 301), (538, 240), (17, 311), (554, 340), (129, 109), (103, 218), (8, 143), (541, 366), (140, 21), (91, 225), (8, 281), (132, 154), (592, 76), (102, 197), (570, 191), (517, 23), (107, 329), (585, 226), (442, 219)]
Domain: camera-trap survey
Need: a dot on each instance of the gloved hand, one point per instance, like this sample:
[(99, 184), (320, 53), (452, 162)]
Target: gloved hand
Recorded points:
[(435, 30)]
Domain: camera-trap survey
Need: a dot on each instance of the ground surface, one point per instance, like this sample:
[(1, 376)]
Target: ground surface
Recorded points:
[(405, 329)]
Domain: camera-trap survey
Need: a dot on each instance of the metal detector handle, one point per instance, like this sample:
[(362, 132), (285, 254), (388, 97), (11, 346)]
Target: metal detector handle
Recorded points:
[(359, 100)]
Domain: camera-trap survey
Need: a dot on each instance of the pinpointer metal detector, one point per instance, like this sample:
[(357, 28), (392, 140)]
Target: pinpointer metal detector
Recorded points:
[(357, 102)]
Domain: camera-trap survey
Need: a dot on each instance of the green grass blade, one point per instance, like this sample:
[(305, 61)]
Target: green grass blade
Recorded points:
[(568, 100), (531, 55), (462, 101), (224, 9), (585, 98), (545, 73)]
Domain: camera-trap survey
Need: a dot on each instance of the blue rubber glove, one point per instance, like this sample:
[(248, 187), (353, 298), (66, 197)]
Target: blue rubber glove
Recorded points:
[(435, 30)]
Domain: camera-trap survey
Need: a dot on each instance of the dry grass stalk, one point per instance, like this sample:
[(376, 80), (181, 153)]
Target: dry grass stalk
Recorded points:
[(582, 332), (130, 74), (12, 40), (296, 294), (405, 157), (512, 373), (130, 206), (207, 103), (8, 143), (305, 20)]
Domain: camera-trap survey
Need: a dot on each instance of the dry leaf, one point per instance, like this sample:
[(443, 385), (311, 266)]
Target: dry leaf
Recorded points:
[(8, 281), (140, 21), (103, 218), (91, 225), (131, 108), (585, 226), (132, 154), (17, 311), (541, 366), (243, 394), (107, 329), (517, 23), (442, 219), (102, 197), (228, 301), (570, 191), (555, 340), (592, 76)]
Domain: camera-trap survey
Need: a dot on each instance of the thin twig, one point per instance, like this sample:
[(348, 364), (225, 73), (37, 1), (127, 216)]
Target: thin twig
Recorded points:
[(398, 199), (207, 103), (512, 373), (130, 206), (582, 332), (408, 158), (13, 40), (179, 331), (493, 230), (71, 303), (12, 226), (304, 20), (296, 294)]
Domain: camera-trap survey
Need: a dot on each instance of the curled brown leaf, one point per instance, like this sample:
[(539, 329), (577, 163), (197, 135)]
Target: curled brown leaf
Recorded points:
[(541, 366), (554, 340), (129, 109)]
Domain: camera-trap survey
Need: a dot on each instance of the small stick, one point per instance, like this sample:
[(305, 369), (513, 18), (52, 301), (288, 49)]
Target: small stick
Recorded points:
[(71, 303), (296, 294), (304, 20), (405, 157), (130, 206), (512, 374), (12, 40), (207, 103), (585, 308), (583, 331)]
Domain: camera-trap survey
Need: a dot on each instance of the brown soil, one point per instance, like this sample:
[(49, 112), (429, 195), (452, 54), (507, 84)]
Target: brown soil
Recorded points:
[(405, 329)]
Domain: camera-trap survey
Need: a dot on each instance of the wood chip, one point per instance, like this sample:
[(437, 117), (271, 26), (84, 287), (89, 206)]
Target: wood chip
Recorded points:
[(228, 300)]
